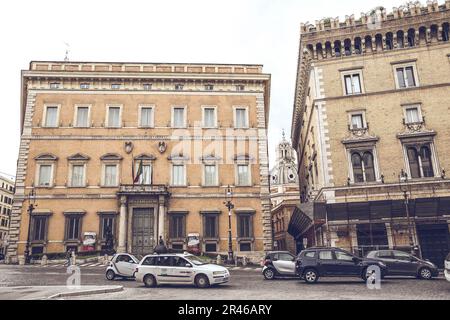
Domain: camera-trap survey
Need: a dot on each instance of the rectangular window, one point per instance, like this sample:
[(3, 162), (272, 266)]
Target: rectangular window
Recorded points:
[(45, 174), (209, 87), (146, 176), (115, 86), (357, 121), (177, 226), (412, 115), (147, 86), (51, 116), (178, 175), (39, 227), (82, 117), (110, 175), (179, 87), (244, 226), (243, 175), (211, 247), (352, 84), (84, 86), (78, 176), (245, 247), (210, 226), (114, 117), (73, 228), (146, 117), (241, 120), (406, 77), (210, 175), (209, 117), (179, 120), (107, 225), (54, 85), (240, 87)]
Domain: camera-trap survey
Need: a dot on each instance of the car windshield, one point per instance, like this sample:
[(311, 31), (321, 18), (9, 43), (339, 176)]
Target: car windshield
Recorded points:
[(196, 261)]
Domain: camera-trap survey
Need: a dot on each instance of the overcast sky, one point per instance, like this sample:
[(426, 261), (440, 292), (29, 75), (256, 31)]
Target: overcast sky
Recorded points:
[(205, 31)]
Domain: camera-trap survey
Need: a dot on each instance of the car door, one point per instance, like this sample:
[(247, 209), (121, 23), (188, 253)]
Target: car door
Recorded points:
[(125, 265), (387, 257), (347, 264), (284, 263), (326, 263), (405, 264)]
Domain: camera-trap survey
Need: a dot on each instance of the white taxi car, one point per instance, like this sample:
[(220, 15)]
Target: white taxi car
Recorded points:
[(121, 265), (186, 269), (447, 268)]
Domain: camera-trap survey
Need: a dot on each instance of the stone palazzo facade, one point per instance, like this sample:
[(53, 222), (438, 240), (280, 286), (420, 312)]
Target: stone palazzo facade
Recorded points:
[(370, 127), (142, 151)]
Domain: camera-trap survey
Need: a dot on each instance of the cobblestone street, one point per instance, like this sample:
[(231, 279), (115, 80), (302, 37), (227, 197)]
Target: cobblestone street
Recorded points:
[(244, 284)]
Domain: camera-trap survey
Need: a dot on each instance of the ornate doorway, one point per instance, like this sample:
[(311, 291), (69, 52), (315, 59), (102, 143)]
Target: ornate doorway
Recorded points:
[(143, 231)]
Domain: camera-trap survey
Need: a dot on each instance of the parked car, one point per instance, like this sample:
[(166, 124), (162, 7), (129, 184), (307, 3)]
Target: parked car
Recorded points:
[(401, 263), (186, 269), (121, 265), (314, 263), (278, 264), (447, 268)]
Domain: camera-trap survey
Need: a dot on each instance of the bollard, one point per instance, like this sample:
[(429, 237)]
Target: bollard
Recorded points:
[(219, 260), (244, 261), (73, 258), (44, 260), (105, 259), (21, 260)]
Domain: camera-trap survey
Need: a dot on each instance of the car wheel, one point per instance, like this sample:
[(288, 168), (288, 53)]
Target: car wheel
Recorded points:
[(202, 281), (149, 281), (110, 275), (310, 276), (425, 274), (269, 274)]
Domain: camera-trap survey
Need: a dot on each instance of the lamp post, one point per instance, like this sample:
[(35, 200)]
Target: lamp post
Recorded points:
[(230, 206), (31, 207), (403, 183)]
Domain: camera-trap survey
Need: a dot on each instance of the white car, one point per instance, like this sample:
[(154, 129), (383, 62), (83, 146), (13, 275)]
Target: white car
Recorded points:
[(186, 269), (447, 268), (121, 265)]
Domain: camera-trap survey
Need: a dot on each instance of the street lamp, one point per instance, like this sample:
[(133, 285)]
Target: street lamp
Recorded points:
[(31, 207), (403, 183), (230, 206)]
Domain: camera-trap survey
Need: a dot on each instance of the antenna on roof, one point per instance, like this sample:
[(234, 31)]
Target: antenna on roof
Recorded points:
[(66, 57)]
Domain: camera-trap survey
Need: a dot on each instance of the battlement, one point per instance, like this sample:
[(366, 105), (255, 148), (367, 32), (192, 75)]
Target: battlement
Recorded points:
[(377, 15)]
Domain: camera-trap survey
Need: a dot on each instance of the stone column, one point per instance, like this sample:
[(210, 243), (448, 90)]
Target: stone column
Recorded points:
[(122, 225), (162, 218)]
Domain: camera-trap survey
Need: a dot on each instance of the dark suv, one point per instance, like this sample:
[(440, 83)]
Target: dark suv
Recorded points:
[(314, 263)]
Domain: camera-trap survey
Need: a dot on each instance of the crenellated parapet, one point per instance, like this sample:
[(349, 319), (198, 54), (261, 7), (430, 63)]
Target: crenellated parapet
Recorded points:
[(407, 26)]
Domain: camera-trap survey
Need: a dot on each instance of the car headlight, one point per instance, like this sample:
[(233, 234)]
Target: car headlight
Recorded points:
[(219, 273)]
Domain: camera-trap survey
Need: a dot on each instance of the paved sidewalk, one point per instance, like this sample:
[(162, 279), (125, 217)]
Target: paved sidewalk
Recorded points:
[(53, 292)]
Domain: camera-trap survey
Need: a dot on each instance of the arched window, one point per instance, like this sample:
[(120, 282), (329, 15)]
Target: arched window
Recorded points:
[(319, 50), (358, 45), (411, 37), (389, 41), (348, 47), (358, 175), (337, 48), (422, 35), (379, 42), (363, 167), (426, 162), (328, 49), (420, 162), (368, 40), (369, 167), (400, 39), (445, 32), (434, 33), (413, 159)]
